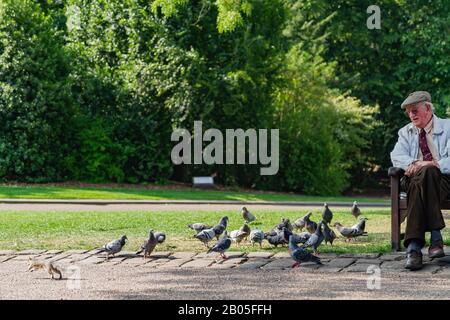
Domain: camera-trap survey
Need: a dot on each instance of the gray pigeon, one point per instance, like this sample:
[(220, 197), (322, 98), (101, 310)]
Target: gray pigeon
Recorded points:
[(222, 245), (296, 238), (327, 215), (301, 222), (300, 254), (285, 223), (276, 237), (149, 245), (316, 239), (221, 226), (241, 234), (197, 227), (328, 233), (355, 210), (114, 246), (310, 225), (256, 236), (353, 231), (205, 236), (247, 215), (160, 236)]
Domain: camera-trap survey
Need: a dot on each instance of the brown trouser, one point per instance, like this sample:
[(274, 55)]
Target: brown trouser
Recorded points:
[(425, 190)]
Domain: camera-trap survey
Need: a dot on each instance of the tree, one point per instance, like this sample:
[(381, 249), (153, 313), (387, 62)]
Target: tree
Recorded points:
[(36, 105)]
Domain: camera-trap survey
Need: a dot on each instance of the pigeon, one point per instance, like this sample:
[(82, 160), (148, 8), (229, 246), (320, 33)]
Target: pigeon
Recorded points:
[(297, 238), (220, 227), (149, 245), (285, 223), (361, 225), (205, 236), (316, 239), (353, 231), (241, 234), (197, 227), (160, 236), (327, 215), (328, 233), (300, 254), (276, 238), (355, 210), (222, 245), (248, 216), (311, 226), (301, 222), (114, 246), (256, 236)]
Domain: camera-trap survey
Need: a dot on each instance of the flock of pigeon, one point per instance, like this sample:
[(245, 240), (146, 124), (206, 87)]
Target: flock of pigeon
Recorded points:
[(281, 234)]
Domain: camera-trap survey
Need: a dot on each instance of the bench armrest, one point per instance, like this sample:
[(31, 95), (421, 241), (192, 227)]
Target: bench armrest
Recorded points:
[(396, 172)]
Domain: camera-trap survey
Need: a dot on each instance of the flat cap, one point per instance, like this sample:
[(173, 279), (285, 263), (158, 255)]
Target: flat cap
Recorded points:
[(415, 97)]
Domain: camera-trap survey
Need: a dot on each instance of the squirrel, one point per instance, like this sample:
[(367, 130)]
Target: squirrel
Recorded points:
[(46, 265)]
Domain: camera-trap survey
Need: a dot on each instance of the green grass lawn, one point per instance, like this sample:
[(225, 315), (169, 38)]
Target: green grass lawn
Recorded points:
[(88, 230), (47, 192)]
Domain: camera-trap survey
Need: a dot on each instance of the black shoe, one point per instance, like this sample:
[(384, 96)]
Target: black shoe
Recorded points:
[(436, 250), (414, 261)]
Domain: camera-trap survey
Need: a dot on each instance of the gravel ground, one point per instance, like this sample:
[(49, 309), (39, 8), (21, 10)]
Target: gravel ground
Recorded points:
[(107, 281)]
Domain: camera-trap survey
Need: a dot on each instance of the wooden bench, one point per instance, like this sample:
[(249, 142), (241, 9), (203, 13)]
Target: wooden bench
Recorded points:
[(398, 207)]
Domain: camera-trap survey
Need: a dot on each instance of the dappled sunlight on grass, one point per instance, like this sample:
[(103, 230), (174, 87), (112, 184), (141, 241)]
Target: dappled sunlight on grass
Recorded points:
[(40, 192), (88, 230)]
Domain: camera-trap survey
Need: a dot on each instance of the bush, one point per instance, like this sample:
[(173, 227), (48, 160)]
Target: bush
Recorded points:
[(36, 107)]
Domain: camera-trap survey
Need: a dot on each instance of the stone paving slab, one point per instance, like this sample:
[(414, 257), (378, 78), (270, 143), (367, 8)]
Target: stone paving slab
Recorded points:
[(93, 260), (358, 267), (156, 262), (7, 252), (60, 256), (31, 252), (328, 256), (445, 272), (77, 257), (332, 263), (393, 266), (445, 261), (5, 258), (198, 263), (161, 254), (264, 255), (93, 251), (77, 251), (176, 263), (328, 269), (182, 255), (133, 262), (25, 257), (253, 263), (281, 255), (393, 257), (427, 268), (360, 255), (341, 262), (281, 263), (369, 261), (45, 256), (222, 266), (54, 252), (234, 261)]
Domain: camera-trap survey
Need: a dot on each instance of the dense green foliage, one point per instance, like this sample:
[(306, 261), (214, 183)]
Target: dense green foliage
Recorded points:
[(91, 90)]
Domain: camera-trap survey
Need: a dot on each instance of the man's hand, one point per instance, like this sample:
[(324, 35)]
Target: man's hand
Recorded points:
[(415, 166)]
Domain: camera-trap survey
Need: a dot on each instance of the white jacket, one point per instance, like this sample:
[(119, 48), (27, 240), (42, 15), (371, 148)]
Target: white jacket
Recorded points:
[(406, 149)]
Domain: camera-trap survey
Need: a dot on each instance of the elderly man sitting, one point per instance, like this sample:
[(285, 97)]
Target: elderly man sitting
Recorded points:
[(422, 150)]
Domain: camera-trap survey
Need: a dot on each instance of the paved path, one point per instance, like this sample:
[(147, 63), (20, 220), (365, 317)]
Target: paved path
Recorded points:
[(187, 275)]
